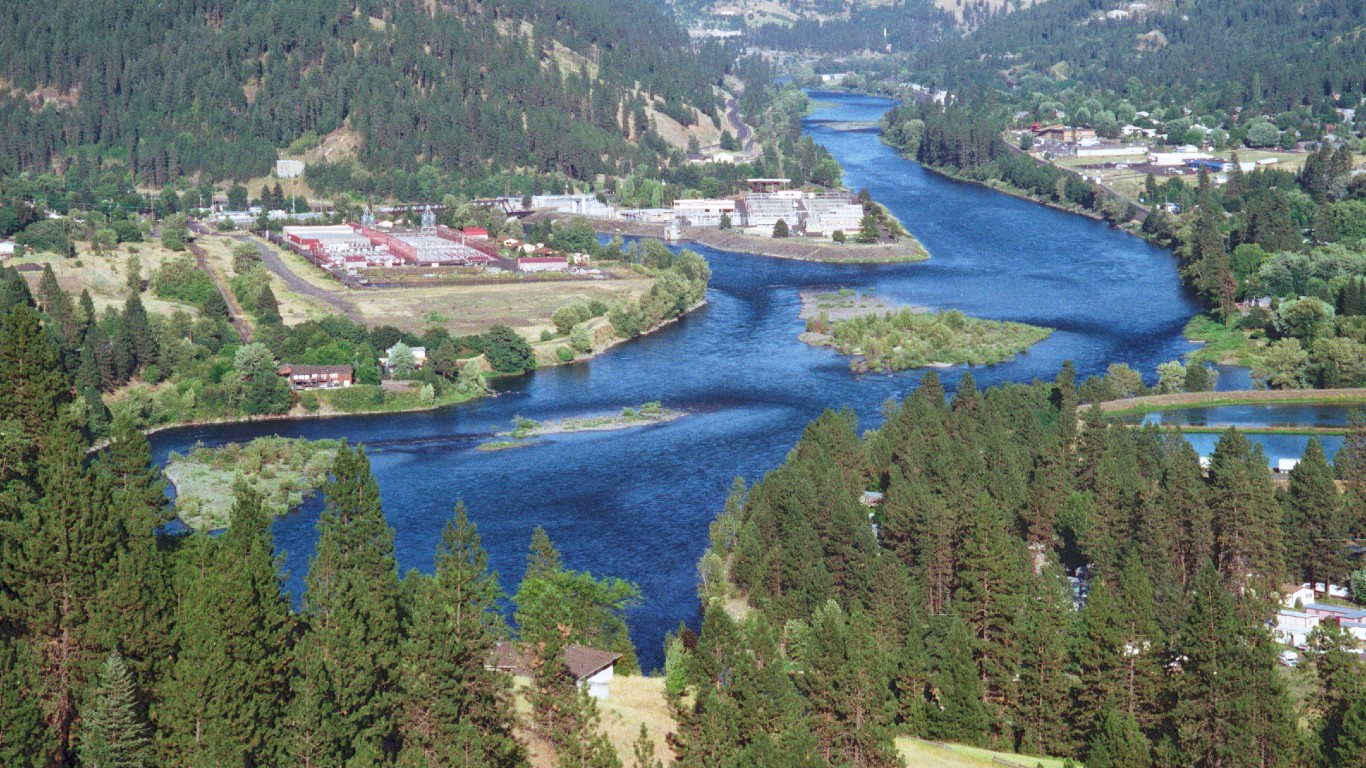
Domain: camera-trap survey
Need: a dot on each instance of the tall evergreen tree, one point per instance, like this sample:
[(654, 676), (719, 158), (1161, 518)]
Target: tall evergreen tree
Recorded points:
[(956, 709), (25, 740), (456, 712), (1039, 708), (1315, 530), (31, 382), (845, 674), (346, 699), (1230, 705), (225, 694), (1246, 518), (59, 548), (114, 733)]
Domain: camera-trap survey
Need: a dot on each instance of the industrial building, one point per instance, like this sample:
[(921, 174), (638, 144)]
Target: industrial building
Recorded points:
[(357, 246), (703, 213), (576, 205)]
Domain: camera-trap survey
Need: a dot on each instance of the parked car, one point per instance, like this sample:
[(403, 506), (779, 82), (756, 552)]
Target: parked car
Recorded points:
[(1290, 658)]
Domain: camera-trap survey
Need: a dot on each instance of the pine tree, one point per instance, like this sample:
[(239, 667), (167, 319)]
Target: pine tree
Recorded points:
[(1041, 700), (114, 734), (59, 547), (225, 695), (139, 332), (845, 675), (1351, 746), (31, 382), (456, 711), (1341, 683), (643, 751), (1246, 518), (1099, 657), (1229, 700), (581, 743), (991, 587), (25, 741), (1117, 742), (956, 709), (345, 707), (1314, 529)]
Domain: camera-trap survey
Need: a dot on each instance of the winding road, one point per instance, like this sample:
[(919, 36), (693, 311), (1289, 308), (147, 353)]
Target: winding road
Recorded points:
[(299, 285)]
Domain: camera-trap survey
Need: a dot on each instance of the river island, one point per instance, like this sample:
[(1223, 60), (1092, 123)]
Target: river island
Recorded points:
[(884, 337)]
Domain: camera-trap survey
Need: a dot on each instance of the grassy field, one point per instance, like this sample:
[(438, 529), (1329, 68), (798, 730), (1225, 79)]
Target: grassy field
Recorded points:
[(295, 308), (927, 754), (106, 276), (631, 701), (462, 309)]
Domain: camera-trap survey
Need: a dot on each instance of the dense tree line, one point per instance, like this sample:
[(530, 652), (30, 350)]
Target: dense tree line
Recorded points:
[(122, 644), (1228, 53), (945, 613), (216, 87)]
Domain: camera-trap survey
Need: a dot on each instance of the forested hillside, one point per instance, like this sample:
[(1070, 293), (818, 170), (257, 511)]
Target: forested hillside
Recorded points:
[(215, 86), (1229, 53)]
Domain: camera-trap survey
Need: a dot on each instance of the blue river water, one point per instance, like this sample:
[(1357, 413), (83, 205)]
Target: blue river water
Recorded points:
[(635, 504)]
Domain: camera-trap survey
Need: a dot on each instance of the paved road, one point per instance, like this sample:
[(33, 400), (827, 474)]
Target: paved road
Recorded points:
[(742, 131), (299, 285)]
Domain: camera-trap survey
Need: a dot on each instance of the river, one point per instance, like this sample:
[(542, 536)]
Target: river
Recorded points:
[(635, 504)]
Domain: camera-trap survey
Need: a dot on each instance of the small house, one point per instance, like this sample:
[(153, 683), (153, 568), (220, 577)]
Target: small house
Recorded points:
[(591, 668), (316, 376), (1283, 466), (475, 233), (7, 249)]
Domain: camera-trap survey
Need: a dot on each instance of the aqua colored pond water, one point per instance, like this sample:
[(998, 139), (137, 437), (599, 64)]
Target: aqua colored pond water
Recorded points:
[(636, 504)]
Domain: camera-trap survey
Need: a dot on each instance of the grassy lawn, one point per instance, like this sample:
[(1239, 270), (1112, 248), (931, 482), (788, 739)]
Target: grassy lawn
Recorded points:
[(926, 754)]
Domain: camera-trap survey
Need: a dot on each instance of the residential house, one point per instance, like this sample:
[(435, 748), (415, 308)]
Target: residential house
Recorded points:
[(316, 376), (419, 357), (591, 668)]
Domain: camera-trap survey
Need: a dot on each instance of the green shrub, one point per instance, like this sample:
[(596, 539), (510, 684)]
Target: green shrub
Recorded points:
[(565, 354), (309, 401), (181, 279)]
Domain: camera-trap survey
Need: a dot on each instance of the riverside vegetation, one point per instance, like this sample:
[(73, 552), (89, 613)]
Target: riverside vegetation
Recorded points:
[(885, 340), (281, 471)]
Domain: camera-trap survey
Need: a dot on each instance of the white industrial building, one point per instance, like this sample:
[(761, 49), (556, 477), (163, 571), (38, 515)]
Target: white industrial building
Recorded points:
[(703, 212), (577, 205)]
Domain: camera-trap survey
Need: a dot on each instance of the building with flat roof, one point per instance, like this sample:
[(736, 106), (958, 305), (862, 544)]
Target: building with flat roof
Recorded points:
[(703, 212)]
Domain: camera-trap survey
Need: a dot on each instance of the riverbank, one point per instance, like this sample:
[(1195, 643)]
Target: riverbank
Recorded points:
[(908, 249), (1172, 402), (884, 337), (1020, 194)]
